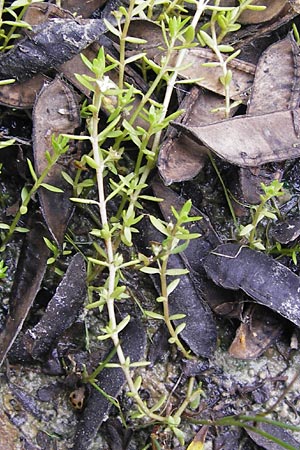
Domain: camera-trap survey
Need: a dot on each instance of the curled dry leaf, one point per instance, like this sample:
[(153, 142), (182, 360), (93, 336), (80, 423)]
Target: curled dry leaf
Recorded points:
[(180, 158), (66, 304), (242, 73), (274, 430), (49, 45), (249, 141), (27, 281), (275, 88), (56, 111), (22, 95), (259, 329), (80, 8), (265, 280), (277, 76)]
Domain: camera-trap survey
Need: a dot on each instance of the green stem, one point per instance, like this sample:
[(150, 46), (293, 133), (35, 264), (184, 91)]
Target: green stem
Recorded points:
[(164, 293), (123, 43), (26, 201)]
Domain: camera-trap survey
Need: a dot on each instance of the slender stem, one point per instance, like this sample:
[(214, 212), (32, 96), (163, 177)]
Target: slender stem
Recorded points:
[(123, 43), (187, 399), (26, 201), (164, 293)]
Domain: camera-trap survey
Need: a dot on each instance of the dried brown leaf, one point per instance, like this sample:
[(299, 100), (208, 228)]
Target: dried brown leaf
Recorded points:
[(56, 111)]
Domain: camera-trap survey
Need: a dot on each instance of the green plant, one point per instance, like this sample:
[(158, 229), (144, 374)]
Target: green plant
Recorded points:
[(3, 269), (126, 189), (224, 20), (264, 210), (60, 147), (56, 253), (117, 225), (11, 21), (176, 241)]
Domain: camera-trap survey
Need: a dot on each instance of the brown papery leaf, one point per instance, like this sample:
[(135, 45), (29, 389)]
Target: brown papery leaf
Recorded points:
[(251, 141), (276, 82), (27, 281), (80, 8), (275, 88), (22, 95), (56, 111), (273, 9), (260, 329), (180, 157)]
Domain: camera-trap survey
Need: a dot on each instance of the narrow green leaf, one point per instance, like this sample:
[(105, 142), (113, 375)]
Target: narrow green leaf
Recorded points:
[(111, 28), (177, 316), (134, 58), (159, 403), (4, 226), (84, 200), (180, 328), (51, 188), (172, 286), (174, 272), (154, 315), (225, 48), (159, 225), (207, 39), (31, 169), (149, 270), (90, 161), (246, 230)]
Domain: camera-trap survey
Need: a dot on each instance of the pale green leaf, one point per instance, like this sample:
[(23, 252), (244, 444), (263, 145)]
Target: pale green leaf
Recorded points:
[(154, 315), (175, 272), (149, 270), (51, 188)]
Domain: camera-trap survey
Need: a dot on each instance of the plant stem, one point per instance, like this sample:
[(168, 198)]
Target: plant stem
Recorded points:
[(123, 43), (26, 201)]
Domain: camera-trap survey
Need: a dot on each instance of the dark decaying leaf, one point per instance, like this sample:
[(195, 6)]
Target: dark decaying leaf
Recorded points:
[(38, 13), (117, 437), (23, 94), (56, 111), (80, 8), (180, 158), (62, 310), (29, 274), (273, 430), (249, 141), (287, 231), (111, 381), (250, 179), (259, 329), (49, 45), (265, 280), (200, 333)]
